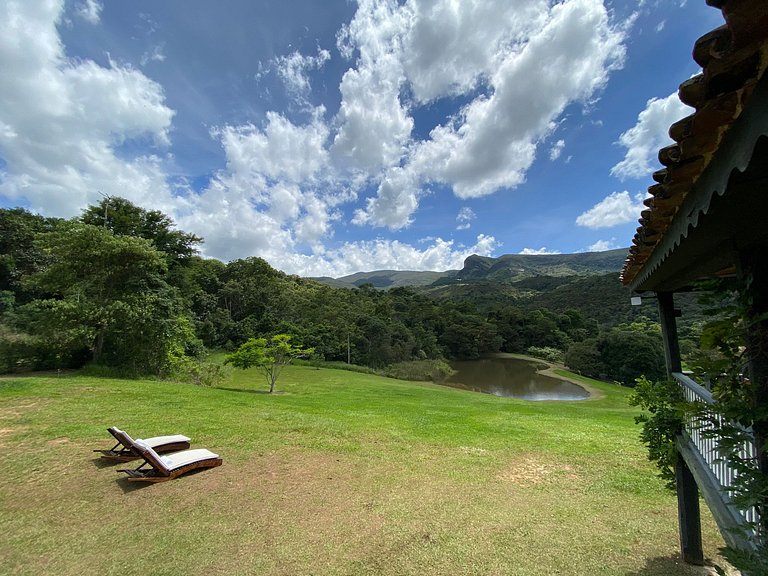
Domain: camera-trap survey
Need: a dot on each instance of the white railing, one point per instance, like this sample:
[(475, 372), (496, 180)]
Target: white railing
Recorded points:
[(700, 432)]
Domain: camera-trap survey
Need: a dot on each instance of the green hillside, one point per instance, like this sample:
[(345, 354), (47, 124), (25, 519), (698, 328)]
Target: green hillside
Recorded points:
[(339, 474)]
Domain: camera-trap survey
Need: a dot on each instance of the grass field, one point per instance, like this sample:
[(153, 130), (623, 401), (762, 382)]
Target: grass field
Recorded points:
[(337, 474)]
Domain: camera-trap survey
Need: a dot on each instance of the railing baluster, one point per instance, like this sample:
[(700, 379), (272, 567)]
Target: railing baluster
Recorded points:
[(707, 446)]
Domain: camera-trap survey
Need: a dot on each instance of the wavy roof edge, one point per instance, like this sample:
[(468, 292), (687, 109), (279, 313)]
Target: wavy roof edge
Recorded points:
[(734, 58)]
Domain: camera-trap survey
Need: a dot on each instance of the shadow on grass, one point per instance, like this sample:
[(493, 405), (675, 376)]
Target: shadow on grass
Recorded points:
[(127, 486), (104, 463), (671, 565), (249, 391)]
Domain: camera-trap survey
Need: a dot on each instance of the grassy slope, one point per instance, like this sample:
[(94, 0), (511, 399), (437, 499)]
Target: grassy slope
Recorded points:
[(342, 473)]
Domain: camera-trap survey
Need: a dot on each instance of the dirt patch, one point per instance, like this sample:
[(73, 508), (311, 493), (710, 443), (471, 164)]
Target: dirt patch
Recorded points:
[(58, 441), (529, 470), (301, 509)]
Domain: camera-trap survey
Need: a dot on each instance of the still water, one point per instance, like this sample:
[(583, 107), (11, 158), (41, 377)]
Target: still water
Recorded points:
[(512, 377)]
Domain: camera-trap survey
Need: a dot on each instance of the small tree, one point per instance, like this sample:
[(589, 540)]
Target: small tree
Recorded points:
[(269, 355)]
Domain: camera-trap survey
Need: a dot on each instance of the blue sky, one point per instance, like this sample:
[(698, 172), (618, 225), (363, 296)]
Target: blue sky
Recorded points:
[(337, 136)]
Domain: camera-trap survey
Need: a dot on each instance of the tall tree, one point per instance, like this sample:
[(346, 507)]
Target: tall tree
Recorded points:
[(106, 291), (124, 218)]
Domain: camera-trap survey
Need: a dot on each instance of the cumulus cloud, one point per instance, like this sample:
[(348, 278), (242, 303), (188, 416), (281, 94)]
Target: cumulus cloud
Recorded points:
[(464, 218), (62, 121), (540, 252), (267, 201), (451, 48), (281, 150), (616, 208), (395, 202), (603, 245), (492, 142), (650, 133)]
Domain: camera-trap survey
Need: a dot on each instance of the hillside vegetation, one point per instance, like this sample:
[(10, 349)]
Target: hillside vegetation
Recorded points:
[(121, 287)]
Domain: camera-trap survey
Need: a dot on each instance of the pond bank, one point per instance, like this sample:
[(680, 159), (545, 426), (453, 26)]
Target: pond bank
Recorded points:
[(594, 393)]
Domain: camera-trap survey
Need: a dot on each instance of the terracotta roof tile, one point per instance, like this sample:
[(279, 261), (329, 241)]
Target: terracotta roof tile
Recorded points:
[(733, 58)]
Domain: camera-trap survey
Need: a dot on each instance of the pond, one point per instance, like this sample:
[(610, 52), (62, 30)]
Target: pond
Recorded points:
[(512, 377)]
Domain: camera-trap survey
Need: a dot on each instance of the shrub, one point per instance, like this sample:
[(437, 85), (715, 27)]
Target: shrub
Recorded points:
[(545, 353), (420, 370), (201, 373)]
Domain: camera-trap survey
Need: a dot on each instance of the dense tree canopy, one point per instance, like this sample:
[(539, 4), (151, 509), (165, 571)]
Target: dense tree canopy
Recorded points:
[(124, 218), (121, 286)]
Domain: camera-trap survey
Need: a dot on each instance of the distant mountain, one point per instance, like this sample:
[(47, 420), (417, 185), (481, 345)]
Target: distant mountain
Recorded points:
[(512, 267), (385, 279), (507, 268)]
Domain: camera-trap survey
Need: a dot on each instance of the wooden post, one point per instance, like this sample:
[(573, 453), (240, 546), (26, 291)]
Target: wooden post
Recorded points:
[(688, 512), (667, 314)]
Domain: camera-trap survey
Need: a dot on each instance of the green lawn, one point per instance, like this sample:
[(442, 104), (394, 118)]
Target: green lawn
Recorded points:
[(339, 473)]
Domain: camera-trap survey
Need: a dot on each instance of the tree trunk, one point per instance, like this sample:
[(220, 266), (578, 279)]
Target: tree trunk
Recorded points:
[(98, 345)]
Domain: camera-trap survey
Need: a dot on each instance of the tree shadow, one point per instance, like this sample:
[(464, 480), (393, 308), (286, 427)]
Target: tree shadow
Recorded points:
[(672, 565), (247, 391)]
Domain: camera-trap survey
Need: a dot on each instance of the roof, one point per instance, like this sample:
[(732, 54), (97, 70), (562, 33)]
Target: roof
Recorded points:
[(734, 58)]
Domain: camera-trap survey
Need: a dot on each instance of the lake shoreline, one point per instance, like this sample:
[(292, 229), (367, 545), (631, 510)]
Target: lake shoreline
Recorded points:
[(594, 393)]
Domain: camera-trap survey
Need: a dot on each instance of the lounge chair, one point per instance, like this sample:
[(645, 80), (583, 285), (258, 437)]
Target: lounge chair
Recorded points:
[(168, 467), (123, 451)]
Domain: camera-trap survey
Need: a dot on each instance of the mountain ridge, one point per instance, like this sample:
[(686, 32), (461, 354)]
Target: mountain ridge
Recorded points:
[(505, 268)]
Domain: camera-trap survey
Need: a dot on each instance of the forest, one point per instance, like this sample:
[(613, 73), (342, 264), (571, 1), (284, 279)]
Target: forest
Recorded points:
[(120, 287)]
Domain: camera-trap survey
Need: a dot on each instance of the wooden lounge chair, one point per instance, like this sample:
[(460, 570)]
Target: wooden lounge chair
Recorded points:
[(124, 450), (168, 467)]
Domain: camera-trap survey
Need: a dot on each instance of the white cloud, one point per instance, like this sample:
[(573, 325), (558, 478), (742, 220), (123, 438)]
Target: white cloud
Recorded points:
[(492, 143), (450, 48), (616, 208), (464, 218), (556, 150), (62, 121), (294, 68), (90, 11), (382, 254), (540, 252), (603, 245), (374, 125), (267, 201), (660, 25), (395, 202), (281, 151), (644, 139)]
